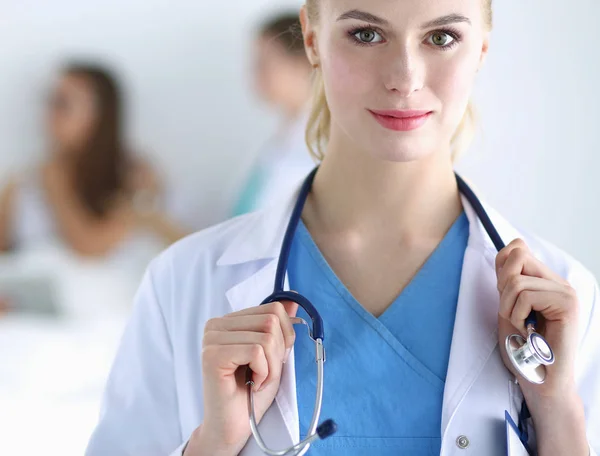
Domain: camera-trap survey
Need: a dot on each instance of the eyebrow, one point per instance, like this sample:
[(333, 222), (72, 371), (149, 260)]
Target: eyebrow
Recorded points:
[(447, 20), (363, 16), (371, 18)]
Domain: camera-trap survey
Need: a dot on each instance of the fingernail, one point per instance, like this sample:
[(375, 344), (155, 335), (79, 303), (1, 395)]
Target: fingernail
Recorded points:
[(287, 355)]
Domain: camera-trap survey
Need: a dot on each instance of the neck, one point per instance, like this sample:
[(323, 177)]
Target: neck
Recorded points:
[(411, 201)]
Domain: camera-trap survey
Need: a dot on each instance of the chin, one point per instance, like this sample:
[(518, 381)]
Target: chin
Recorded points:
[(402, 148)]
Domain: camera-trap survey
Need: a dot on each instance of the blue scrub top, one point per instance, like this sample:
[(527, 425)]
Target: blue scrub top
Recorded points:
[(384, 377)]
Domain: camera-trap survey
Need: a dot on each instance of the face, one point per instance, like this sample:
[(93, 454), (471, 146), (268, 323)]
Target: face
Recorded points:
[(71, 114), (277, 74), (382, 59)]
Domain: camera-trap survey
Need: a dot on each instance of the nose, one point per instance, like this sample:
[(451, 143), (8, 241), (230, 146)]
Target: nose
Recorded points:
[(405, 72)]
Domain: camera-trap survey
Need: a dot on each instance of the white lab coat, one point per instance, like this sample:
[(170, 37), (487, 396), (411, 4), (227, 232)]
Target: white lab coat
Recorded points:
[(153, 400)]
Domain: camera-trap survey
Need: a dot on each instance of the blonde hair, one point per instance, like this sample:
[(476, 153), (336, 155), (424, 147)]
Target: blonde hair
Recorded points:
[(319, 120)]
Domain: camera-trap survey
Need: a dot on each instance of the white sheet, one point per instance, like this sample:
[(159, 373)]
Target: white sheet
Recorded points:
[(52, 371)]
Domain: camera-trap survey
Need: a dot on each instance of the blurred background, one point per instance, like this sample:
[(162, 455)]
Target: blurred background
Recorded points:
[(125, 125)]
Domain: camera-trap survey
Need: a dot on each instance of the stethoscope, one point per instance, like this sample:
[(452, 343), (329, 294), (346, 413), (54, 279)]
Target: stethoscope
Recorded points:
[(529, 356)]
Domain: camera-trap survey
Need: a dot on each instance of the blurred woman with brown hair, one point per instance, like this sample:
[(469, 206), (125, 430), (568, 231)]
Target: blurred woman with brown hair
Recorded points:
[(90, 192)]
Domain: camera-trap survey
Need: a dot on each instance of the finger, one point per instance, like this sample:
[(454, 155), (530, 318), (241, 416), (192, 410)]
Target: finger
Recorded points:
[(272, 345), (272, 342), (536, 268), (524, 294), (518, 284), (506, 251), (511, 267), (226, 359), (526, 302), (283, 313), (291, 308), (520, 261), (554, 305), (255, 323)]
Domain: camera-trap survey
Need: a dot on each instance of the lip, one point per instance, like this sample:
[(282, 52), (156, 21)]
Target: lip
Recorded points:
[(401, 120)]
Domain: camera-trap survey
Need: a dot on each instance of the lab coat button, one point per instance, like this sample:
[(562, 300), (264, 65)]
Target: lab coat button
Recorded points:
[(462, 442)]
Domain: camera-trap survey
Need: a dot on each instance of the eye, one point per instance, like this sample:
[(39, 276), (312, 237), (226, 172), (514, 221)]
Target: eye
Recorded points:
[(367, 36), (441, 39)]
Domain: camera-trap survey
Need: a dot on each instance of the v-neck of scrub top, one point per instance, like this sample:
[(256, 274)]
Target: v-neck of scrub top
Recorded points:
[(384, 377)]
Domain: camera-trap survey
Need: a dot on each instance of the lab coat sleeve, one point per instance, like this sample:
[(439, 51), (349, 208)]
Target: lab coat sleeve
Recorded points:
[(139, 413), (589, 376)]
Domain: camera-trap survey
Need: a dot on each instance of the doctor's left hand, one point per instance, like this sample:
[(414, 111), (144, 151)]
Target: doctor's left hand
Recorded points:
[(524, 283)]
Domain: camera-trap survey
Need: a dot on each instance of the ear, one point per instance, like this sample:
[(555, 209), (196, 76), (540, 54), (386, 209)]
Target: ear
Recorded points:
[(484, 50), (310, 38)]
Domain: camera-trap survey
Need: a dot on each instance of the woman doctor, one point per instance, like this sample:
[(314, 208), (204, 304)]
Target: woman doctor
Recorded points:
[(415, 300)]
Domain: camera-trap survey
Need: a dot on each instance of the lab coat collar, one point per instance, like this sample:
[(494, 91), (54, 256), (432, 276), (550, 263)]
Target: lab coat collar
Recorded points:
[(475, 330), (263, 236)]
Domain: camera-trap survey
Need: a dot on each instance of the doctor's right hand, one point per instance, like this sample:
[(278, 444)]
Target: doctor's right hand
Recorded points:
[(261, 337)]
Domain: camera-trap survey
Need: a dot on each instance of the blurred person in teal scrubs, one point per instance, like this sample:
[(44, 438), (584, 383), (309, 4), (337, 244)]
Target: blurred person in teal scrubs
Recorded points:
[(282, 80)]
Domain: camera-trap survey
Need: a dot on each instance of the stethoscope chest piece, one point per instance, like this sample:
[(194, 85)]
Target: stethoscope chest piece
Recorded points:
[(530, 356)]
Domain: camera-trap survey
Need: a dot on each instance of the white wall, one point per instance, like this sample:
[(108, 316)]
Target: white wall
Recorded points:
[(538, 154), (185, 64)]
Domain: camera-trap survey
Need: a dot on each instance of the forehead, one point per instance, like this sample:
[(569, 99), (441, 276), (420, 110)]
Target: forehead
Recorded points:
[(74, 84), (405, 13), (269, 45)]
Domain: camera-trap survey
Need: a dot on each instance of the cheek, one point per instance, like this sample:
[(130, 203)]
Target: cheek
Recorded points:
[(452, 84), (348, 77), (265, 75), (286, 79), (61, 126), (263, 83), (75, 129), (85, 127)]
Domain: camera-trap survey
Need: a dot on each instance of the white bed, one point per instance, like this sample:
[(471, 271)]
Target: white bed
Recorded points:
[(53, 365)]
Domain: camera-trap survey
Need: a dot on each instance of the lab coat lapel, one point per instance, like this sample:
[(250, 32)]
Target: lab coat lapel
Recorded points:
[(279, 426), (475, 333), (475, 330)]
